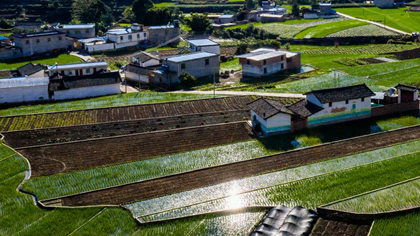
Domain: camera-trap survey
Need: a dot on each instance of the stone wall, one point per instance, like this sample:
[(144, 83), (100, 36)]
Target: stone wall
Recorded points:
[(161, 35)]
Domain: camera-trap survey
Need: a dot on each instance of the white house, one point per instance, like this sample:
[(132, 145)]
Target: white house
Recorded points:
[(76, 87), (261, 63), (31, 70), (320, 107), (77, 31), (226, 19), (77, 69), (137, 73), (130, 36), (23, 89), (204, 45), (145, 59)]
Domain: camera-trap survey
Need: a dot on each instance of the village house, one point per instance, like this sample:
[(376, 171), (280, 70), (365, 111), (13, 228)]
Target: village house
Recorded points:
[(164, 34), (204, 45), (321, 107), (23, 89), (407, 93), (30, 70), (130, 36), (84, 86), (266, 61), (77, 31), (145, 59), (141, 67), (267, 18), (201, 64), (226, 19), (384, 3), (96, 44), (323, 10), (77, 69), (42, 42)]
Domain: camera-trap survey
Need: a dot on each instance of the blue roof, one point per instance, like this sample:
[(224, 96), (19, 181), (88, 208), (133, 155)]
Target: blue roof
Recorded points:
[(191, 56), (2, 37), (226, 16), (203, 42)]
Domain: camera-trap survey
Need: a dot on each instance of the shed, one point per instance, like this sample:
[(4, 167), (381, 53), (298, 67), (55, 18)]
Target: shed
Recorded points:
[(225, 19), (22, 89), (204, 45), (407, 93), (266, 18)]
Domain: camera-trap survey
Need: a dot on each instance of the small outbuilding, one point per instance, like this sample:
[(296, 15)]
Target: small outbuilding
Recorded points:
[(407, 93), (30, 70), (204, 45), (23, 89), (226, 18)]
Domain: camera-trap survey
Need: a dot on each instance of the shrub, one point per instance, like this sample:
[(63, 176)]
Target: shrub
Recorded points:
[(187, 79)]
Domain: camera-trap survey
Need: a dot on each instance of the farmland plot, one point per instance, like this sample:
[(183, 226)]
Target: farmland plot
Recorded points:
[(374, 49), (364, 30), (407, 224), (322, 30)]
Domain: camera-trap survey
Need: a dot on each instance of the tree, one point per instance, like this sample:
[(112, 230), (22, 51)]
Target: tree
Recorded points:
[(92, 11), (249, 5), (128, 14), (158, 16), (295, 9), (140, 8), (199, 23), (187, 79), (241, 48)]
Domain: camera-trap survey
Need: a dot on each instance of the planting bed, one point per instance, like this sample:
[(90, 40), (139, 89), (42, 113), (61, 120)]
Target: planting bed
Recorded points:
[(325, 227), (66, 157), (204, 177), (34, 137), (123, 113)]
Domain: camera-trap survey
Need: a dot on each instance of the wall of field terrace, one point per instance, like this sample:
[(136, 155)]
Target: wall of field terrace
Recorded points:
[(34, 137), (109, 114), (219, 174), (58, 158)]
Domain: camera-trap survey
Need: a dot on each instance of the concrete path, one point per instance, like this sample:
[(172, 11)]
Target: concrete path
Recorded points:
[(374, 23), (82, 55), (241, 93)]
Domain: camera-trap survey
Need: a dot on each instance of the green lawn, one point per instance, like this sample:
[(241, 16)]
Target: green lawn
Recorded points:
[(49, 60), (323, 30), (164, 4), (396, 17)]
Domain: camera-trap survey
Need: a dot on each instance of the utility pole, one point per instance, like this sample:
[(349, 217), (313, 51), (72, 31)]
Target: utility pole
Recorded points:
[(214, 84)]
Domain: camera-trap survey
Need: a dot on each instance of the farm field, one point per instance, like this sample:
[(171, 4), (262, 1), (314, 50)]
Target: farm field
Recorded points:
[(407, 224), (364, 30), (396, 18), (322, 30), (49, 60)]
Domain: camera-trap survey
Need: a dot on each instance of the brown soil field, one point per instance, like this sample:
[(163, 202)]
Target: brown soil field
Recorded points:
[(219, 174), (25, 138), (58, 158), (325, 227)]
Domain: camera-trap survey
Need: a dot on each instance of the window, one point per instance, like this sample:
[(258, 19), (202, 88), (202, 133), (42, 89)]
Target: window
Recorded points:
[(265, 62), (182, 66), (330, 104), (27, 41), (77, 31), (130, 37), (88, 70), (87, 31), (144, 34), (37, 41), (248, 62), (265, 70), (347, 101), (282, 66), (207, 61), (282, 58), (69, 72), (49, 39), (122, 38), (138, 36), (363, 99), (60, 38)]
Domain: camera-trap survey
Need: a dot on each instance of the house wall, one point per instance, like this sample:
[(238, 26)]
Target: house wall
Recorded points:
[(395, 108), (267, 19), (72, 72), (196, 68), (341, 112), (211, 49), (99, 47), (24, 94), (79, 33), (258, 71), (6, 54), (405, 96), (313, 99), (279, 123), (136, 77), (39, 74), (43, 46), (157, 36), (294, 62), (135, 37), (225, 20), (86, 92), (151, 62)]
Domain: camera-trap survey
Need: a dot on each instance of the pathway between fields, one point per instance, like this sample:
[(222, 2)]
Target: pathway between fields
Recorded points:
[(374, 23), (242, 93), (82, 55)]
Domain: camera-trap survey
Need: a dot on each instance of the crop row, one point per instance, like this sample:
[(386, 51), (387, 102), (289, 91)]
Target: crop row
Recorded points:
[(407, 224), (365, 30), (374, 49), (325, 227), (66, 157), (26, 138), (215, 175), (101, 115)]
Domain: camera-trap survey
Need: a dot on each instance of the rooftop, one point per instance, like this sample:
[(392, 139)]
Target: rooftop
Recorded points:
[(140, 70), (406, 88), (262, 55), (342, 93), (226, 16), (30, 69), (191, 56), (203, 42), (161, 27), (17, 82), (38, 34), (304, 109), (68, 82), (87, 26), (266, 108), (78, 65), (144, 56)]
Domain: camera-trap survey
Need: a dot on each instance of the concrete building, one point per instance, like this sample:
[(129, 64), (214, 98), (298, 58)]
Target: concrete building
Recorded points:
[(77, 31), (204, 45), (30, 70), (42, 42), (22, 89), (130, 36), (164, 34), (262, 62), (321, 107), (139, 74), (200, 64), (323, 10), (78, 69), (226, 19), (145, 59), (267, 18), (384, 3), (76, 87)]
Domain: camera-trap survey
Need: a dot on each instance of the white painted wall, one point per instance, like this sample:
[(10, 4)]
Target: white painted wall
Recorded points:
[(252, 70), (99, 47), (280, 119), (135, 37), (258, 118), (72, 72), (24, 94), (211, 49), (342, 104), (136, 77), (39, 74), (86, 92)]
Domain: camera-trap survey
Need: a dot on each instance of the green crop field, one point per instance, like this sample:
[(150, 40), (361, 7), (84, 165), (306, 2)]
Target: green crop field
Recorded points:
[(230, 65), (364, 30), (48, 60), (396, 17), (105, 101), (322, 30), (407, 224)]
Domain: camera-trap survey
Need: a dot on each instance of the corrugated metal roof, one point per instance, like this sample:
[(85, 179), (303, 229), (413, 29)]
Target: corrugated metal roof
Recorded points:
[(78, 65), (203, 42), (75, 26), (266, 55), (90, 40), (23, 82), (192, 56), (226, 16)]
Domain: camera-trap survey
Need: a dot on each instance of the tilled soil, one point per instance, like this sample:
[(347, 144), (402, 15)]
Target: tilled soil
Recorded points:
[(340, 228)]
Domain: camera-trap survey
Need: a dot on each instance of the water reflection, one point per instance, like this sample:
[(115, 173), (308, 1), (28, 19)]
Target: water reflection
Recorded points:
[(234, 201)]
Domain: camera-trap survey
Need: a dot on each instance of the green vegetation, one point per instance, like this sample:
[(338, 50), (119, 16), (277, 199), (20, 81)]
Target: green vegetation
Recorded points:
[(320, 31), (365, 30), (164, 4), (230, 65), (394, 198), (407, 224), (48, 60), (371, 49), (395, 17), (106, 101)]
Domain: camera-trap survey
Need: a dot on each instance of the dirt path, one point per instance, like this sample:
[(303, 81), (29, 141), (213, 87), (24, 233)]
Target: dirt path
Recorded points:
[(242, 93)]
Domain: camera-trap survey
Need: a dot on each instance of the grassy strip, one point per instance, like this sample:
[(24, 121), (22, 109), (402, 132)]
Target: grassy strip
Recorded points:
[(48, 60), (407, 224), (86, 180), (323, 30), (362, 50), (106, 101), (230, 65)]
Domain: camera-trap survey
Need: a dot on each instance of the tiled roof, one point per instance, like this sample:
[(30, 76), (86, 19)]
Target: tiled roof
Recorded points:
[(30, 69), (342, 93), (68, 82), (266, 108), (140, 70), (304, 109), (144, 56), (406, 88)]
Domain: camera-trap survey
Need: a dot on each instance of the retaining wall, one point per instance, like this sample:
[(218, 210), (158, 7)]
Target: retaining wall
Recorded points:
[(394, 108)]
